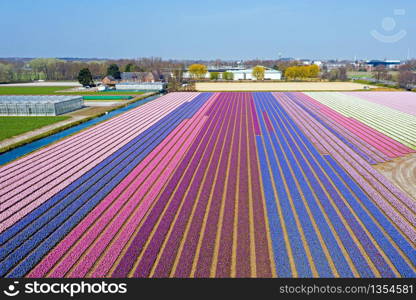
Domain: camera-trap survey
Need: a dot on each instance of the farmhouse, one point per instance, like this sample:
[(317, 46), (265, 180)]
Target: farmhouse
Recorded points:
[(153, 76), (109, 80), (137, 81)]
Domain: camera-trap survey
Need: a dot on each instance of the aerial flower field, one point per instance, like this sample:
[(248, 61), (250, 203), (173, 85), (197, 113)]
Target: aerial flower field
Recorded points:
[(244, 184)]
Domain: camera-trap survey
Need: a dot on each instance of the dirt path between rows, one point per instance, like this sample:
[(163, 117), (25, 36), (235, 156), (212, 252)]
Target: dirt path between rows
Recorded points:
[(402, 172)]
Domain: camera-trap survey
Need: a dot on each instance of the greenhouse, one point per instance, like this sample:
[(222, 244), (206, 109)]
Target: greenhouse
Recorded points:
[(39, 105), (141, 86)]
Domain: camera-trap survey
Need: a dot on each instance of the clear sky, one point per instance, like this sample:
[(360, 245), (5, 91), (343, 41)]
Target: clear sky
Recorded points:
[(209, 29)]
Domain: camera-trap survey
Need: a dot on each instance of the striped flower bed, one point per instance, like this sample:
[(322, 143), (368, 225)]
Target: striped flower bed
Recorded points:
[(214, 185), (403, 101), (393, 123)]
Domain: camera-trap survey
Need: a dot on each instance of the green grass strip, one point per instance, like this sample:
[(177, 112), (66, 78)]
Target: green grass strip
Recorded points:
[(16, 125)]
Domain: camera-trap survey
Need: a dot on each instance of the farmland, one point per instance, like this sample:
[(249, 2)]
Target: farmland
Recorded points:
[(56, 90), (244, 184), (12, 126), (30, 90)]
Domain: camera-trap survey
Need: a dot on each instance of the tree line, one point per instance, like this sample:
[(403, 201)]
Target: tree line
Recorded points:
[(407, 76), (59, 69), (302, 72)]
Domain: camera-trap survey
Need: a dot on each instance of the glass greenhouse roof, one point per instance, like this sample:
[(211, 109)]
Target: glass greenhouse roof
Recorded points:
[(36, 99)]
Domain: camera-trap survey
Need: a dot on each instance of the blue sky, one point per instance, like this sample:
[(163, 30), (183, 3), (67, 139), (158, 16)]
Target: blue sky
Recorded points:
[(207, 29)]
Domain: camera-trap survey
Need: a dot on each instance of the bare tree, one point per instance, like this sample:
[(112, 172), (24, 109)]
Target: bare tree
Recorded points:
[(380, 72), (407, 79)]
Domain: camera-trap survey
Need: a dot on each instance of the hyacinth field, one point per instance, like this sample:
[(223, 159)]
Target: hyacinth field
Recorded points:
[(249, 184)]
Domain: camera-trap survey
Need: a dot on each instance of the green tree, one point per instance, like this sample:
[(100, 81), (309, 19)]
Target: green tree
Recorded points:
[(198, 71), (227, 76), (214, 75), (129, 68), (85, 77), (114, 71), (46, 67), (6, 73), (258, 72), (133, 68)]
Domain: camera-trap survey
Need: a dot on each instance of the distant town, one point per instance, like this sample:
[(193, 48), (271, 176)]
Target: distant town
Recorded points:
[(176, 75)]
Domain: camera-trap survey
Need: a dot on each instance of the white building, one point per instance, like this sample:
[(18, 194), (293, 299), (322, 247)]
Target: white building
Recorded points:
[(188, 75), (220, 71), (318, 63), (306, 62), (247, 74), (141, 86), (241, 74)]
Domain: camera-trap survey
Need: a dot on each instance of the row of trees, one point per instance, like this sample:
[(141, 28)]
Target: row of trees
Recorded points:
[(59, 69), (407, 76), (199, 71), (6, 72), (48, 69), (381, 73), (302, 72), (404, 78), (338, 74)]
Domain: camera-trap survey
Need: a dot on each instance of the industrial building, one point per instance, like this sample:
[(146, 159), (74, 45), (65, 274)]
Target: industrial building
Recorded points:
[(247, 74), (388, 64), (39, 105), (240, 74), (187, 75)]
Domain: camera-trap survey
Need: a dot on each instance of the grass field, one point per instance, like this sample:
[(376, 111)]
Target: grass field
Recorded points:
[(54, 90), (360, 74), (12, 126), (394, 74), (103, 93), (255, 184), (278, 86), (26, 90), (107, 97)]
